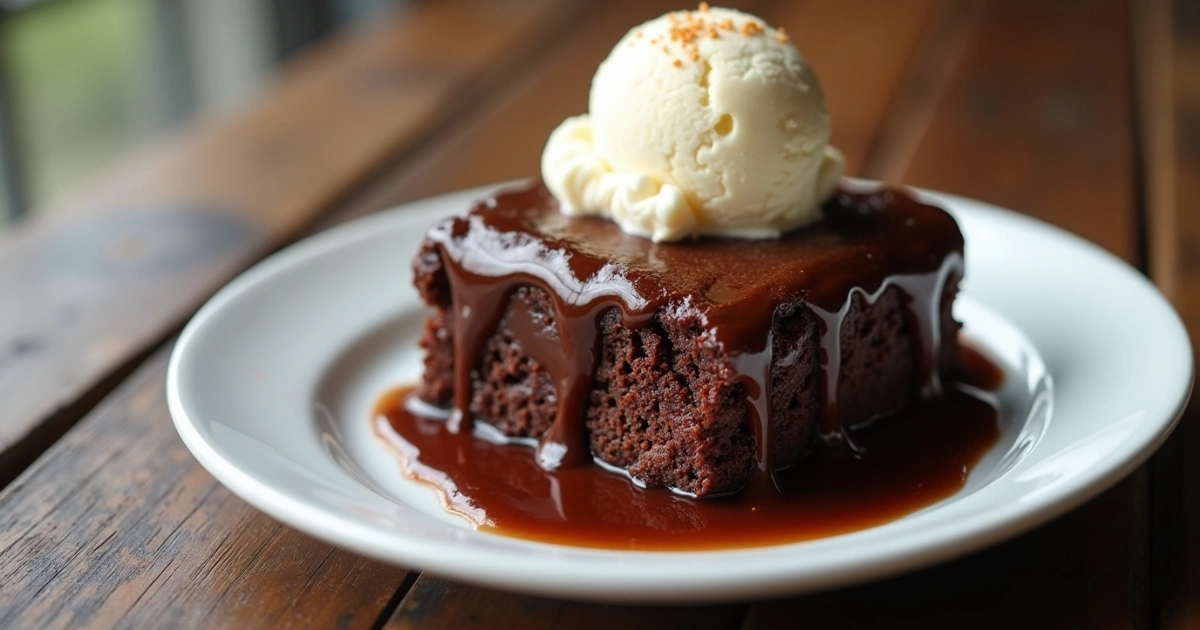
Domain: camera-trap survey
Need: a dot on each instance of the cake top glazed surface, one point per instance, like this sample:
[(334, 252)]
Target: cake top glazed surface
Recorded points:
[(863, 239)]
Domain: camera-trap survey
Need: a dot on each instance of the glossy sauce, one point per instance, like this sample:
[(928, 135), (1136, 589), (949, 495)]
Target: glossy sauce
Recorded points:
[(865, 244), (906, 462)]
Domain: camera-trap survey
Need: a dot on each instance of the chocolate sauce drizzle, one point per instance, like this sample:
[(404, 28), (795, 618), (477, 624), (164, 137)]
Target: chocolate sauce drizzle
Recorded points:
[(588, 267)]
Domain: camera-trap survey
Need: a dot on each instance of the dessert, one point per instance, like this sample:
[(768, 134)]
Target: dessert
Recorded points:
[(706, 122), (688, 365), (688, 299)]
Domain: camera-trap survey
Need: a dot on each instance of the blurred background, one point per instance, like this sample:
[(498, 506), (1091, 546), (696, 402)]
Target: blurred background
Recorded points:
[(82, 81)]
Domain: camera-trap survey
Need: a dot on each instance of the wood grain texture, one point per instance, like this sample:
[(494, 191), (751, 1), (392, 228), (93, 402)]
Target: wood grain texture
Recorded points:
[(1036, 115), (1045, 579), (1156, 71), (926, 78), (119, 265), (118, 526), (1186, 160), (1171, 163), (1037, 118), (434, 603), (862, 53)]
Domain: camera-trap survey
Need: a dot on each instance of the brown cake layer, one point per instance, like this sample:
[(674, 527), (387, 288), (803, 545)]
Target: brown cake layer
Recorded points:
[(690, 365)]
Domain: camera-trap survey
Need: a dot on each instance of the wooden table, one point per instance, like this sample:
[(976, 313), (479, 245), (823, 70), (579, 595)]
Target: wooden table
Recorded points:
[(1084, 113)]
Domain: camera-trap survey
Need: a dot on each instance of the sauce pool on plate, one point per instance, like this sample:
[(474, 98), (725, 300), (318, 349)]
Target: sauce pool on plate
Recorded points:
[(903, 463)]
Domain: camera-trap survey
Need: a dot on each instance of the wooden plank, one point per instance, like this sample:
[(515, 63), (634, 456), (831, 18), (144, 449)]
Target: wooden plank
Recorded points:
[(861, 53), (1035, 116), (925, 79), (119, 526), (1153, 39), (1154, 70), (119, 265), (1185, 160), (1041, 580), (435, 603), (1170, 114)]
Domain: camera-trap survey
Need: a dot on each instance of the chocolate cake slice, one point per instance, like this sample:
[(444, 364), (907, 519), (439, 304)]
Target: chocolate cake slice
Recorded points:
[(700, 365)]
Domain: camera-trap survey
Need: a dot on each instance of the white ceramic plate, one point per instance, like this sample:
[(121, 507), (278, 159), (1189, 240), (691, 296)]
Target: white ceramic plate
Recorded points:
[(272, 383)]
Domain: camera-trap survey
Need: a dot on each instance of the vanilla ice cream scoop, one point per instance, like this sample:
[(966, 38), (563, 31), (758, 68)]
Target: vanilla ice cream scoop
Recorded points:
[(705, 122)]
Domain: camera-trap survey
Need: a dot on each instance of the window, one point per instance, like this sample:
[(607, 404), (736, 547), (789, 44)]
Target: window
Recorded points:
[(82, 81)]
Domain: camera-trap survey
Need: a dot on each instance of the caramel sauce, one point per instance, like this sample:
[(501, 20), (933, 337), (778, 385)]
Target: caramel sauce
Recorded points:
[(865, 243), (905, 462), (973, 368)]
